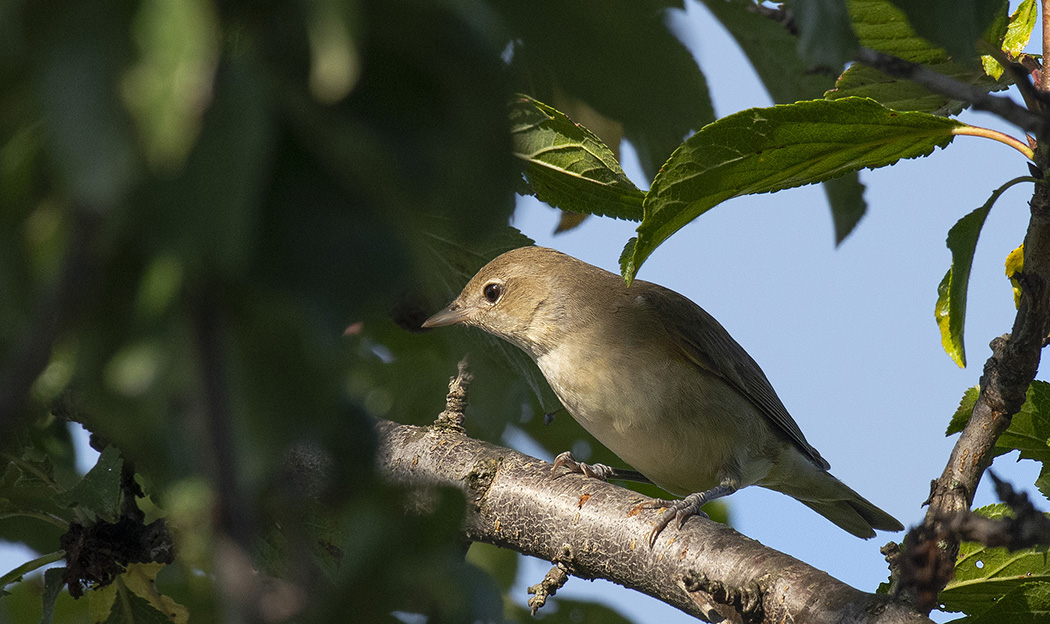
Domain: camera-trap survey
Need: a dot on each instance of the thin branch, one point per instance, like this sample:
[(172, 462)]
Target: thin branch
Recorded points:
[(1027, 526), (30, 356), (939, 83), (705, 569), (1022, 77), (1005, 381), (1044, 79)]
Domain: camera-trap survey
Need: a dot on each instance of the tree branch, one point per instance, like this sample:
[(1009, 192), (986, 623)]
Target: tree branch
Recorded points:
[(28, 358), (705, 569), (955, 89), (1007, 374)]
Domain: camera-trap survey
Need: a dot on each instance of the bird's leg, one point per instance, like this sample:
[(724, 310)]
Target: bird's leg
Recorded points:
[(597, 471), (681, 509)]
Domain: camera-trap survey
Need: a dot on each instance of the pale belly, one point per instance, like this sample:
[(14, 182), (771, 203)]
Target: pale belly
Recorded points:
[(686, 436)]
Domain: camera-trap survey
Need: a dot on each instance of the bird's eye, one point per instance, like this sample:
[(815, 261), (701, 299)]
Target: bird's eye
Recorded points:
[(492, 291)]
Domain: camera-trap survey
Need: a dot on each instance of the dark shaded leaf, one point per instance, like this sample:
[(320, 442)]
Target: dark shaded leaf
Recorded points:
[(622, 61), (99, 491), (846, 197), (825, 34), (883, 27), (53, 585), (955, 25)]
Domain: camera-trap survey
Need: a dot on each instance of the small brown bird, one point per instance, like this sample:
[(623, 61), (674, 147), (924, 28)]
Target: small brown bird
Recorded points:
[(658, 381)]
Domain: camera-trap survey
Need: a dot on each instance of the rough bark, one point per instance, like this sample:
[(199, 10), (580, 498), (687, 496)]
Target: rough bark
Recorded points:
[(705, 569)]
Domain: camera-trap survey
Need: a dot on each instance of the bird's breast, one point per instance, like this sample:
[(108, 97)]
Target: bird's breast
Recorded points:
[(680, 426)]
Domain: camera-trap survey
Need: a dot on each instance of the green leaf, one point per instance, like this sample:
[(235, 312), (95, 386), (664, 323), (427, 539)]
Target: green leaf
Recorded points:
[(178, 46), (1043, 481), (623, 61), (208, 211), (762, 150), (53, 585), (1028, 603), (884, 28), (962, 413), (825, 35), (951, 294), (846, 198), (129, 608), (79, 69), (1019, 31), (772, 52), (34, 470), (955, 25), (1029, 430), (1015, 39), (568, 166), (984, 576), (99, 490)]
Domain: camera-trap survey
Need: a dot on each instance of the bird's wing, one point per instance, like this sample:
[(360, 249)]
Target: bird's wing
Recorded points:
[(707, 344)]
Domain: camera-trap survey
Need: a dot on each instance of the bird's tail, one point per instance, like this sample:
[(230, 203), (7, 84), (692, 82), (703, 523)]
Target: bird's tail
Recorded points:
[(856, 515), (813, 486)]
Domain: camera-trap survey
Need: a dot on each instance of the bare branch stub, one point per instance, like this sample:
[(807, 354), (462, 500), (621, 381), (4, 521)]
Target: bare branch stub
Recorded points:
[(456, 401), (551, 583)]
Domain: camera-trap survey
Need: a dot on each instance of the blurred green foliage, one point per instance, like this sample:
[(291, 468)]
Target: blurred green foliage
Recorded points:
[(221, 224)]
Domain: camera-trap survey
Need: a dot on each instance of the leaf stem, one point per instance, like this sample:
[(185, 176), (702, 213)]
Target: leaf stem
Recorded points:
[(46, 517), (995, 135), (29, 566)]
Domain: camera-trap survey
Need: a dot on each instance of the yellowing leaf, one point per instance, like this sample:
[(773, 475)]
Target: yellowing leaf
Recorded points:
[(141, 578), (1014, 265)]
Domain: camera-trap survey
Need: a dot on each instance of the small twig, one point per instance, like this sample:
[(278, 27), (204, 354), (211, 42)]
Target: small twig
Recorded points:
[(955, 89), (1044, 79), (456, 401), (551, 583), (1022, 77), (216, 410), (1027, 527)]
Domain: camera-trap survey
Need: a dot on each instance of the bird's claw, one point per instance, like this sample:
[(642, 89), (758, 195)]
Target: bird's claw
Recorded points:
[(595, 471), (679, 510)]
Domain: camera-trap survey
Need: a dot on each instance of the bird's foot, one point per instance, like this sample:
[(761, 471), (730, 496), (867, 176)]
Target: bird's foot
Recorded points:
[(680, 510), (596, 471)]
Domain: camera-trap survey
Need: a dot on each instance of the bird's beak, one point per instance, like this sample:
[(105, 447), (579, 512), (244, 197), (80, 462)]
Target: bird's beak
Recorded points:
[(451, 315)]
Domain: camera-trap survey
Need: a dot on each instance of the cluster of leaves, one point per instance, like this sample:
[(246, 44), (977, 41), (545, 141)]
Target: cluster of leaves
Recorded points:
[(865, 120), (994, 584)]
